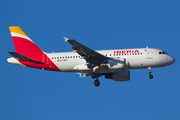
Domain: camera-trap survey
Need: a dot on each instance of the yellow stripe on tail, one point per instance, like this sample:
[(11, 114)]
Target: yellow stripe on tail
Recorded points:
[(17, 29)]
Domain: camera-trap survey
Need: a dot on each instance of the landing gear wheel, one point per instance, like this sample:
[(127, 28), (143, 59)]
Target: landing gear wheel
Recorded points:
[(151, 76), (93, 75), (96, 83)]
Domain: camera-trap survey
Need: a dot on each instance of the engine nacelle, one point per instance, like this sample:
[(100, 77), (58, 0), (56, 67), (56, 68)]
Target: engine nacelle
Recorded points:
[(119, 76)]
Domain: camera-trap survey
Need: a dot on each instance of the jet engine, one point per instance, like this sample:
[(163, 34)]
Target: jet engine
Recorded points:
[(119, 76)]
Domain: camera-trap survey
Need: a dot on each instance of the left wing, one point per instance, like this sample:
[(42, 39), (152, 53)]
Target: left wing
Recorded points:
[(89, 55)]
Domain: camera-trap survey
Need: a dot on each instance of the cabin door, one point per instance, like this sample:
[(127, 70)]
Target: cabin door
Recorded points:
[(149, 54)]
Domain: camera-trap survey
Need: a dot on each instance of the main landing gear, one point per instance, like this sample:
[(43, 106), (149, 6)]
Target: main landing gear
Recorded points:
[(150, 75), (96, 82)]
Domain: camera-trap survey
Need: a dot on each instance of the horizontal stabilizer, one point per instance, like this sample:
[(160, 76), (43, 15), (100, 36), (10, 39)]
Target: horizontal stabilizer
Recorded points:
[(23, 58)]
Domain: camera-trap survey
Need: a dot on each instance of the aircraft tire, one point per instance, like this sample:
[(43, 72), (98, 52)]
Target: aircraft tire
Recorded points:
[(151, 76), (93, 75), (96, 83)]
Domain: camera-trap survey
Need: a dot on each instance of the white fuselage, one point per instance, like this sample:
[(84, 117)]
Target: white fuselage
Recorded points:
[(144, 58)]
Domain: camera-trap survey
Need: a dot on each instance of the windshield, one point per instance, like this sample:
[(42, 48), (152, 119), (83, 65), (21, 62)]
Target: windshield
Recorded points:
[(162, 52)]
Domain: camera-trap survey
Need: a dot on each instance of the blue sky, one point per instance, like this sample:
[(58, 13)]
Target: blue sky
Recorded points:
[(28, 93)]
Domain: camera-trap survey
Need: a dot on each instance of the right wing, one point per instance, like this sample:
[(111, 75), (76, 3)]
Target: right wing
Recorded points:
[(89, 55)]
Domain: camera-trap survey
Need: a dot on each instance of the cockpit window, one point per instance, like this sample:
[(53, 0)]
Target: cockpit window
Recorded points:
[(162, 52)]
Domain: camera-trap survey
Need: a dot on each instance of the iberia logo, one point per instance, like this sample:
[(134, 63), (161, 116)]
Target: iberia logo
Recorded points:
[(126, 51)]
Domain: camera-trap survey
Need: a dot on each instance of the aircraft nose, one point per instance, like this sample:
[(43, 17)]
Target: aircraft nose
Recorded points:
[(171, 59)]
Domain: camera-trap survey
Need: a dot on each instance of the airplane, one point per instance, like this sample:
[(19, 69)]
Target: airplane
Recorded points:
[(113, 64)]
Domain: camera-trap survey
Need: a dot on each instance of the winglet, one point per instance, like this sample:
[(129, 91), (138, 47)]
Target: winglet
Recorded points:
[(66, 39)]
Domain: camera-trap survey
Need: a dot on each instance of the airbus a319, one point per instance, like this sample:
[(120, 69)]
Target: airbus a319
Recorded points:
[(113, 64)]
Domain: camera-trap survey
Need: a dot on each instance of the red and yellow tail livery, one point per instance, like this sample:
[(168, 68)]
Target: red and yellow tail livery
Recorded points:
[(28, 53), (23, 44)]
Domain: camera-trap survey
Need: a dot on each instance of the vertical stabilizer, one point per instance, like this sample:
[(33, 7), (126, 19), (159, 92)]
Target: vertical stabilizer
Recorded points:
[(23, 44)]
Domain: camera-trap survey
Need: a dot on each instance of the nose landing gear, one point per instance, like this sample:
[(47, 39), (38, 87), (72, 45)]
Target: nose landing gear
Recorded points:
[(150, 75)]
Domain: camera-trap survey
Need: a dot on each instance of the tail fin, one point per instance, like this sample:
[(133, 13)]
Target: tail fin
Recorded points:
[(23, 44)]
